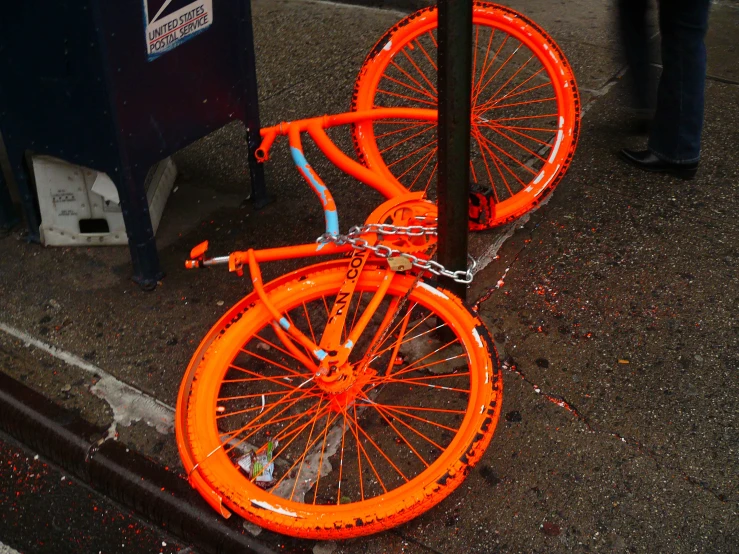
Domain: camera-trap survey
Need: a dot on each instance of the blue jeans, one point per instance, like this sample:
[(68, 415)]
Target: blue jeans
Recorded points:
[(678, 119)]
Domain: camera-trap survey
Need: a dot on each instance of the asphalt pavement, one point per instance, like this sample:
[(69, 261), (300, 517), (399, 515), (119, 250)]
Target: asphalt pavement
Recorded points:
[(616, 318), (46, 510)]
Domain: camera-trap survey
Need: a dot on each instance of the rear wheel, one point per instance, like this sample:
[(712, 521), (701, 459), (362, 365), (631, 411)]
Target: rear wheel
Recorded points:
[(525, 110), (394, 434)]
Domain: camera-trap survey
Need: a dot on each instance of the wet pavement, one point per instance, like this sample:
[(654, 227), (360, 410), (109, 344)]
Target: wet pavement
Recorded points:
[(617, 316), (46, 510)]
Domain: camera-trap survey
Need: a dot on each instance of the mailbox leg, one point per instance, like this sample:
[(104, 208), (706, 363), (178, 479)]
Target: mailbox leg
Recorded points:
[(8, 217), (21, 166), (259, 195), (135, 208), (249, 67)]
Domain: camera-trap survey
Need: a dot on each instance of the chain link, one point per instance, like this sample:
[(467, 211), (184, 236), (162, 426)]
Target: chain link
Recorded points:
[(354, 238)]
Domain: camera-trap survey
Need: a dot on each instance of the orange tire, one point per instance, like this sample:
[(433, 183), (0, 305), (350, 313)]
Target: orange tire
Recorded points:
[(525, 110), (414, 410)]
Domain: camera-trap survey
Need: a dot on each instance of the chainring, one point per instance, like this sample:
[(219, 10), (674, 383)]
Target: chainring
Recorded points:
[(404, 211)]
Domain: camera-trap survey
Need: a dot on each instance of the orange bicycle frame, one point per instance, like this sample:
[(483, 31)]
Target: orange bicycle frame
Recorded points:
[(331, 351)]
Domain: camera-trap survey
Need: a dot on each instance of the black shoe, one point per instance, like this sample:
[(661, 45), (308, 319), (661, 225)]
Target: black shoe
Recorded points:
[(646, 160)]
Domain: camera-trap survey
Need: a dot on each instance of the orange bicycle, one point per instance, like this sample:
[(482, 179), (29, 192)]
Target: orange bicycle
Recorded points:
[(352, 395)]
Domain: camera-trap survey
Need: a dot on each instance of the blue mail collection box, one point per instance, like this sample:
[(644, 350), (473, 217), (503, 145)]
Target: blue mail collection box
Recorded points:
[(117, 86)]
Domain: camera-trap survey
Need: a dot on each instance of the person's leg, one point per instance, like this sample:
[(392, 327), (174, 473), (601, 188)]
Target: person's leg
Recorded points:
[(678, 121), (632, 24)]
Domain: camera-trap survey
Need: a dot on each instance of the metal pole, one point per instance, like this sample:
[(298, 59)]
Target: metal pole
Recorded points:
[(454, 59)]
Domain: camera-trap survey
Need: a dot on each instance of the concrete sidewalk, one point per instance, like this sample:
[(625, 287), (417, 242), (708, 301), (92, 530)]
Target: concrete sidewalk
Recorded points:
[(617, 318)]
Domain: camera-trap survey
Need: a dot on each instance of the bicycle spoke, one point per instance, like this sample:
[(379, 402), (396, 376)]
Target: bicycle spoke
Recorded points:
[(527, 102), (409, 87), (427, 145), (420, 71), (255, 426), (417, 432), (414, 384), (430, 377), (482, 89), (381, 352), (487, 143), (512, 93), (309, 445), (413, 80), (307, 319), (512, 130), (475, 135), (406, 97), (361, 450), (427, 157), (341, 457), (483, 71), (260, 408), (305, 452), (419, 133), (273, 363), (484, 107), (431, 177), (396, 347), (522, 83), (435, 363), (396, 131), (432, 154), (474, 57), (320, 461), (354, 318), (548, 115), (308, 351), (495, 94), (421, 419), (422, 409), (266, 412), (382, 453), (542, 129), (275, 346), (259, 377), (432, 62), (528, 150), (402, 437), (472, 170)]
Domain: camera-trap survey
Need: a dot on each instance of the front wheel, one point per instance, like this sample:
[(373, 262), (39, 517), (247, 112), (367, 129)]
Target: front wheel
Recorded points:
[(392, 435), (525, 110)]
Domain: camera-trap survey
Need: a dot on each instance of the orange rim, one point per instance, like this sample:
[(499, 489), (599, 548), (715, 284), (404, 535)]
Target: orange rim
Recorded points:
[(525, 108), (393, 435)]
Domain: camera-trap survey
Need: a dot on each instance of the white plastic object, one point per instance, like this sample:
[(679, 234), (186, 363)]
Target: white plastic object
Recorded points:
[(79, 206)]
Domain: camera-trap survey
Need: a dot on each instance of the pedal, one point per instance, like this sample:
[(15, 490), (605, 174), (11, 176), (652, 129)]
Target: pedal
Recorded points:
[(481, 207), (197, 256)]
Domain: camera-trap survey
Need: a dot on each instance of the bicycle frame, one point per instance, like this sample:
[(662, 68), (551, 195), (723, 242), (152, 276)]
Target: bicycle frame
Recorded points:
[(315, 128), (330, 353)]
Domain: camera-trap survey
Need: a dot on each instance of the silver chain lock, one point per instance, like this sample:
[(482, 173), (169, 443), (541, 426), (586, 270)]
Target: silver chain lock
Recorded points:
[(354, 238)]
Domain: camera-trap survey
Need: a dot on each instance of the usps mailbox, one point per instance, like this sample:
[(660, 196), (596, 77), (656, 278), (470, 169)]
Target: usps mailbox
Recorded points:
[(118, 86)]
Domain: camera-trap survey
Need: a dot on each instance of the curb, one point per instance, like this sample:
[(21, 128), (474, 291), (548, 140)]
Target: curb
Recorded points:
[(399, 5), (158, 495)]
